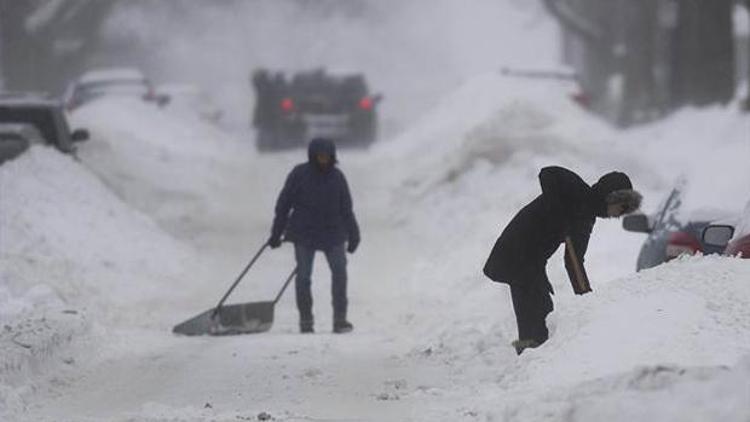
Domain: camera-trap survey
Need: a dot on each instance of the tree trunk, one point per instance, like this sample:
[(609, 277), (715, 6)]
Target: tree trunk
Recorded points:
[(704, 53), (637, 64)]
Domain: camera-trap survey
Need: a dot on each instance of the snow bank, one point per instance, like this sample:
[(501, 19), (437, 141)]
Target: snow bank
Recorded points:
[(196, 181), (70, 252), (474, 162)]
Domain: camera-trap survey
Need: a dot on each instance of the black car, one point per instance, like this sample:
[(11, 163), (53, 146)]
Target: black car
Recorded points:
[(289, 112), (44, 114), (15, 138), (673, 231)]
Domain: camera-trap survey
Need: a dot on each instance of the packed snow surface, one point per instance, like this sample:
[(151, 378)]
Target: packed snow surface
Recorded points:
[(102, 255)]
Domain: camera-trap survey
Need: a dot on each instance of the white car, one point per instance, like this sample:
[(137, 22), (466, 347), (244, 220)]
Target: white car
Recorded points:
[(192, 99), (109, 82)]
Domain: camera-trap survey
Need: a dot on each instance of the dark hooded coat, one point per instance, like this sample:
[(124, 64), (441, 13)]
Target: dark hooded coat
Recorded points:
[(567, 207), (319, 202)]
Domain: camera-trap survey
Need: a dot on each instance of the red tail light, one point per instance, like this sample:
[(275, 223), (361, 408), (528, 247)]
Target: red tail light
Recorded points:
[(582, 99), (365, 103), (287, 105), (681, 243)]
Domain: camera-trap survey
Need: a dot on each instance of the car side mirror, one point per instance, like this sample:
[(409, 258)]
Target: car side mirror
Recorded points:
[(718, 235), (79, 135), (638, 223)]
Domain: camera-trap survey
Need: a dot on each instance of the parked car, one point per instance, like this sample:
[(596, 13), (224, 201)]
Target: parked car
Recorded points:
[(102, 82), (45, 115), (191, 98), (290, 112), (673, 231), (733, 237), (15, 138)]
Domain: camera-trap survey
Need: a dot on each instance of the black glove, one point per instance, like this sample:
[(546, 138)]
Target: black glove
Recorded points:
[(353, 245), (274, 242)]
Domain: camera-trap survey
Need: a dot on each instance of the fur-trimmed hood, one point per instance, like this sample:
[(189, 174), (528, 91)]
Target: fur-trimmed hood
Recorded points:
[(614, 187)]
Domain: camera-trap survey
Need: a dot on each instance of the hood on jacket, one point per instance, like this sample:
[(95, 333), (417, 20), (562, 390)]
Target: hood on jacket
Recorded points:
[(611, 182), (321, 146)]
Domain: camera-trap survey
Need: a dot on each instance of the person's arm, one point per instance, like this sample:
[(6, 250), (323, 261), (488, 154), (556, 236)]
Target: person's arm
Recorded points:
[(283, 207), (347, 212), (576, 244)]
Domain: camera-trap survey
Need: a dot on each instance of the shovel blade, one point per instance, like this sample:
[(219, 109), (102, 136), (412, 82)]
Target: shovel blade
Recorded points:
[(240, 318)]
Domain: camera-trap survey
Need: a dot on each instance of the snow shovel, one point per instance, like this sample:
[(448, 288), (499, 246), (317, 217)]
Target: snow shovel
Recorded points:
[(239, 318)]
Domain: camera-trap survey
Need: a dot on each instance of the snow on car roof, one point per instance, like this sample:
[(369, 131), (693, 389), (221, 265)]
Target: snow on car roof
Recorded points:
[(112, 74), (179, 88), (15, 127), (28, 101)]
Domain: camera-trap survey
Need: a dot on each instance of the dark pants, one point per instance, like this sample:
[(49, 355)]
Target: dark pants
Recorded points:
[(336, 257), (532, 303)]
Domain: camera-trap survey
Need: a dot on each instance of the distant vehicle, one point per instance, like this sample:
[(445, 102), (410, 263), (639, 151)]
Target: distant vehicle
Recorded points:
[(673, 231), (289, 113), (37, 118), (102, 82), (734, 238), (192, 98)]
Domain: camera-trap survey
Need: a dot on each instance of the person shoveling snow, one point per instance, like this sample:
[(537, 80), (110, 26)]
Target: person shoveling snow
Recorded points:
[(322, 219), (565, 212)]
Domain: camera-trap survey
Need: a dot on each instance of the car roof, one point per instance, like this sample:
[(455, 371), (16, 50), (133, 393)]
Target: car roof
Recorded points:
[(179, 88), (27, 98), (29, 101), (112, 74), (15, 127)]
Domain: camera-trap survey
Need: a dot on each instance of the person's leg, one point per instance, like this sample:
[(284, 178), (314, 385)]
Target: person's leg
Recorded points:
[(302, 283), (516, 295), (336, 257), (542, 306), (531, 304)]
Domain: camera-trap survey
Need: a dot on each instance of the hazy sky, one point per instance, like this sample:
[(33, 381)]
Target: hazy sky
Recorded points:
[(412, 51)]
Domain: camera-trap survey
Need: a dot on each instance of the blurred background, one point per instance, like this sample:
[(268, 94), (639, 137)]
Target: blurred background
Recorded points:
[(634, 60)]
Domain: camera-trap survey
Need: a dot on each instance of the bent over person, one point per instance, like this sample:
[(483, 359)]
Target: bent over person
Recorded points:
[(565, 212), (322, 219)]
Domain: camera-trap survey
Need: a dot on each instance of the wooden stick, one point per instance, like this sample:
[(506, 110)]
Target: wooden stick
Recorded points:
[(583, 284)]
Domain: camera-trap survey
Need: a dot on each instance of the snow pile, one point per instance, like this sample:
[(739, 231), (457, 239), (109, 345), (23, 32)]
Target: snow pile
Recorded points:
[(70, 251), (474, 163), (496, 119), (163, 163)]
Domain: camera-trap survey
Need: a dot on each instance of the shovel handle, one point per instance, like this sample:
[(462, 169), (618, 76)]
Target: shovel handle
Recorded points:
[(286, 283), (236, 282)]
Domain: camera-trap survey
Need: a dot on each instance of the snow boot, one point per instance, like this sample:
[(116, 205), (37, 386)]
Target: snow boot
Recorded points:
[(341, 327), (521, 345)]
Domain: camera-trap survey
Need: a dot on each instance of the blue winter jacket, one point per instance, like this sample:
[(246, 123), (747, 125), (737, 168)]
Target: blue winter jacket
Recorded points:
[(319, 202)]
